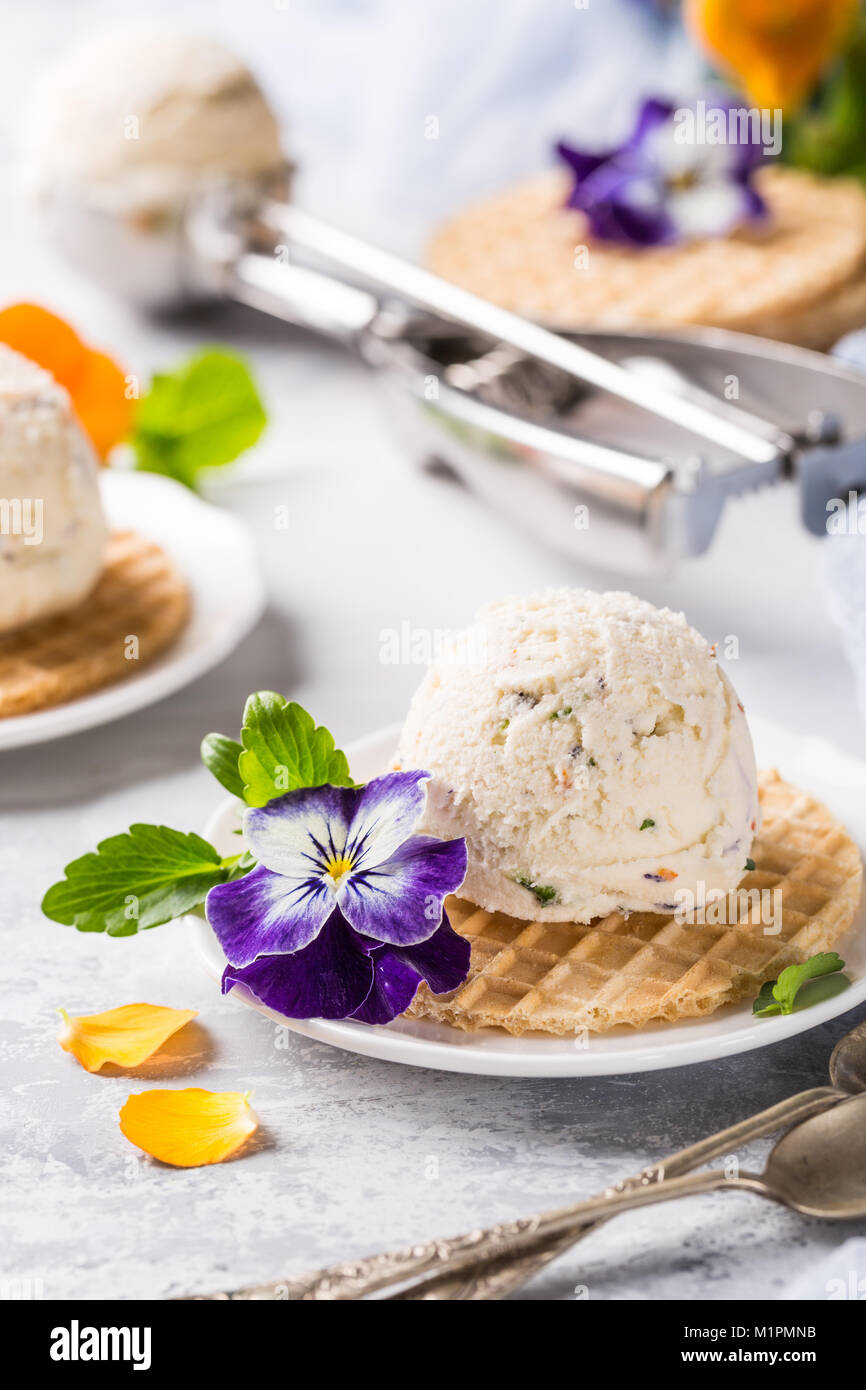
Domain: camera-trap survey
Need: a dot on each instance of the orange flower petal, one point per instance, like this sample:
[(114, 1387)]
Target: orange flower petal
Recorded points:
[(776, 48), (44, 338), (101, 404), (126, 1036), (96, 384), (188, 1128)]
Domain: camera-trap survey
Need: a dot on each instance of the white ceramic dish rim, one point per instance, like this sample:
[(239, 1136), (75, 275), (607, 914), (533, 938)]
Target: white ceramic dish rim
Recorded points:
[(216, 554), (732, 1030)]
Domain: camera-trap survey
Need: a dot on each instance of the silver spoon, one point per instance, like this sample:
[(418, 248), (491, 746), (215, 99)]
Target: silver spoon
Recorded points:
[(494, 1278), (817, 1168), (486, 1264)]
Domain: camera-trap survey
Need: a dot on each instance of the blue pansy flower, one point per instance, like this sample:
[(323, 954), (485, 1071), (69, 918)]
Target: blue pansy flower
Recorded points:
[(658, 188), (343, 914)]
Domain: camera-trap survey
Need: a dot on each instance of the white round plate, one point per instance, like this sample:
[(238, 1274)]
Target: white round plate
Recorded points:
[(838, 780), (215, 554)]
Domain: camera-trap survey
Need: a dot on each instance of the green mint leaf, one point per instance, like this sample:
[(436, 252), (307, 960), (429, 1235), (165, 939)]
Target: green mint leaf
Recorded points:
[(203, 415), (765, 1003), (239, 864), (284, 750), (137, 880), (541, 891), (795, 976), (647, 824), (778, 996), (749, 866), (220, 756)]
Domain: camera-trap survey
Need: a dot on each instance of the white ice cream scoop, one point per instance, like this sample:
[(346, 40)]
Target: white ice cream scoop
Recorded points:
[(593, 754), (52, 529)]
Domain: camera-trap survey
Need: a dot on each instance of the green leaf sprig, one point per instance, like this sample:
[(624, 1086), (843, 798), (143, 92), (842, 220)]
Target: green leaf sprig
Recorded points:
[(779, 996), (203, 415)]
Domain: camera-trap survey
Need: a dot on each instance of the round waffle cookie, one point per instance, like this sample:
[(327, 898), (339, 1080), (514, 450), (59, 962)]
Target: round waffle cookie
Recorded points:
[(799, 275), (137, 608), (560, 977)]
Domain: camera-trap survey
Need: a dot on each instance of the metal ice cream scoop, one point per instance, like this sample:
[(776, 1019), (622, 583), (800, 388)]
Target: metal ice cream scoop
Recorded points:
[(633, 431)]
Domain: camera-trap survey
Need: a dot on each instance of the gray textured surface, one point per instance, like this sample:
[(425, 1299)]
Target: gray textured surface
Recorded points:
[(355, 1155)]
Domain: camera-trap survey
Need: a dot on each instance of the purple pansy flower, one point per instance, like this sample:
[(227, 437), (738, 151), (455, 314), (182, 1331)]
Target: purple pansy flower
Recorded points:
[(670, 181), (343, 915)]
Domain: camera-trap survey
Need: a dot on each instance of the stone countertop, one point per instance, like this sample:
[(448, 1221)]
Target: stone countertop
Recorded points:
[(356, 1155)]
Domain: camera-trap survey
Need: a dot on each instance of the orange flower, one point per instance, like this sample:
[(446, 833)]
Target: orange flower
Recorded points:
[(776, 49), (126, 1036), (188, 1128), (96, 384)]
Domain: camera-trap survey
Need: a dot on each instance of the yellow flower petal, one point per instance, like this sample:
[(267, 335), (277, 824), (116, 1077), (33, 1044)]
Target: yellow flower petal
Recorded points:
[(126, 1036), (188, 1128), (776, 48)]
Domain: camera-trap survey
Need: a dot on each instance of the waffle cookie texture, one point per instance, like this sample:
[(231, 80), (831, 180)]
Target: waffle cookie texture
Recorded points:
[(564, 978), (140, 594), (799, 276)]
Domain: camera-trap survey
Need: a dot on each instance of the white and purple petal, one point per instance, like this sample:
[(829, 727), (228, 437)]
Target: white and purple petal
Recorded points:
[(709, 208), (264, 913), (654, 114), (385, 813), (442, 960), (394, 986), (656, 189), (331, 978), (400, 901), (296, 834)]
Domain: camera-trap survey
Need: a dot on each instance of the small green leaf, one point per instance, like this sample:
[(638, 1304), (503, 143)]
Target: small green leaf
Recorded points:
[(647, 824), (542, 891), (137, 880), (284, 750), (220, 756), (765, 1003), (202, 415), (749, 865), (778, 996)]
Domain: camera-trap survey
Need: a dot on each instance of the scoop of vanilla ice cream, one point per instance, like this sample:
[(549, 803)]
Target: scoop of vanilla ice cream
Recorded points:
[(52, 529), (137, 114), (592, 753)]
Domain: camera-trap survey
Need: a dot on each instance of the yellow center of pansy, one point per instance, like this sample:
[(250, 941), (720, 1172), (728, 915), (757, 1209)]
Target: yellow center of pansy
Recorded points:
[(683, 181), (337, 868)]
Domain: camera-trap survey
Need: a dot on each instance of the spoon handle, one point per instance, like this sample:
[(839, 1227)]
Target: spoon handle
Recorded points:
[(494, 1276), (514, 1240)]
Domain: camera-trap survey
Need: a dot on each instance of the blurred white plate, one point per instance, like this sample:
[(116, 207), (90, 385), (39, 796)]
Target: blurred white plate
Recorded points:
[(215, 554), (827, 773)]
